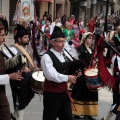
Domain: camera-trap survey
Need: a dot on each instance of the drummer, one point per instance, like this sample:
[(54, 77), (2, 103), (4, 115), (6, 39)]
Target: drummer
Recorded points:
[(80, 93), (55, 96), (21, 91)]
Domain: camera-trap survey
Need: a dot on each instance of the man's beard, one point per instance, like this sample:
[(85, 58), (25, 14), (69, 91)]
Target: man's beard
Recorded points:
[(25, 43)]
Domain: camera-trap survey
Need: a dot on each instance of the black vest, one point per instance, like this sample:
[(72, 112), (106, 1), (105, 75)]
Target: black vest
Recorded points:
[(59, 66), (2, 70)]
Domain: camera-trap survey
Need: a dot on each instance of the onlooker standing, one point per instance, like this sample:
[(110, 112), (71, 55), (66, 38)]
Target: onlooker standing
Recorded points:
[(5, 23), (56, 23)]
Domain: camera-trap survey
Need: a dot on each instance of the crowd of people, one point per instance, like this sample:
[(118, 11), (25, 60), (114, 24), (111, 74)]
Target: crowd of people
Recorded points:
[(66, 95)]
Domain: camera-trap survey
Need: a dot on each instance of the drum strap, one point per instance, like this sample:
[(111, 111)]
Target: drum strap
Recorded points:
[(20, 47)]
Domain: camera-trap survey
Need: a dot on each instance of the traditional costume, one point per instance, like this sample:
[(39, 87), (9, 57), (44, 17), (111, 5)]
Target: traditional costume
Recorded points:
[(84, 100), (21, 91), (47, 30), (55, 95), (69, 34), (4, 79)]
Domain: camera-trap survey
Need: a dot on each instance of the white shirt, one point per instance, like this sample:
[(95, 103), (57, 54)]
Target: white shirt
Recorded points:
[(49, 71), (4, 79), (118, 59), (13, 49), (53, 24)]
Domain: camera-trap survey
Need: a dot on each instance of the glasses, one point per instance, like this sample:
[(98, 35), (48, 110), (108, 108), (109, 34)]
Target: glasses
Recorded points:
[(61, 41)]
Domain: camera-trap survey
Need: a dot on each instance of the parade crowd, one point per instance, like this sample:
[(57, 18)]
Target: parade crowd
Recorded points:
[(73, 61)]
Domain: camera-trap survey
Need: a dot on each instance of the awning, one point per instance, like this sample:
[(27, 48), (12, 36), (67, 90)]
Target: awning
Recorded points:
[(43, 0)]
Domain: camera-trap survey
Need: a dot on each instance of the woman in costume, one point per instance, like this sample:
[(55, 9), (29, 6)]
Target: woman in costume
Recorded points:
[(84, 100), (47, 30), (91, 25), (76, 29), (68, 32)]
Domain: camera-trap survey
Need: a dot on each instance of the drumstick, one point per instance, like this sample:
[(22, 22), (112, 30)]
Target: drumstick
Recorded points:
[(38, 73)]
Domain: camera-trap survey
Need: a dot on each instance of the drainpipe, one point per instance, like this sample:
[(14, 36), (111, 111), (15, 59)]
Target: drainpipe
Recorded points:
[(105, 25), (88, 10), (54, 9)]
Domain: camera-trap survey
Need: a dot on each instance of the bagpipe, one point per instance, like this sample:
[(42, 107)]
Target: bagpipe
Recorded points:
[(15, 63), (75, 65), (97, 74)]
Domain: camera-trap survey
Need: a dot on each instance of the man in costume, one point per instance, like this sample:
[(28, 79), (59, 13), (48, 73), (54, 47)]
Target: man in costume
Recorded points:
[(116, 69), (21, 91), (56, 100), (4, 79), (115, 59)]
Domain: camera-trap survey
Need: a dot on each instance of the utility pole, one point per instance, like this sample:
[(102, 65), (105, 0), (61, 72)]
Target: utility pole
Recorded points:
[(106, 15), (88, 10), (54, 9)]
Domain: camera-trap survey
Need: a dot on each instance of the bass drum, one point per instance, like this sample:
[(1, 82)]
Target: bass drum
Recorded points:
[(93, 81), (37, 82)]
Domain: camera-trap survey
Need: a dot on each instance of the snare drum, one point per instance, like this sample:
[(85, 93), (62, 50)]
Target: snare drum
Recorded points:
[(92, 80), (37, 82)]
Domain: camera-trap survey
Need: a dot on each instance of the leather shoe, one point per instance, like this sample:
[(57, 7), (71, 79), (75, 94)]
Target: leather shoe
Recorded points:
[(102, 119), (89, 117), (76, 117)]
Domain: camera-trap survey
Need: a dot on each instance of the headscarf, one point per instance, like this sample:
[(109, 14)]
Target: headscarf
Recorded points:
[(84, 36)]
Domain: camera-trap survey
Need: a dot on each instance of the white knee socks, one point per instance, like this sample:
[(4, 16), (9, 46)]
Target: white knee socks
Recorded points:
[(108, 116), (19, 114)]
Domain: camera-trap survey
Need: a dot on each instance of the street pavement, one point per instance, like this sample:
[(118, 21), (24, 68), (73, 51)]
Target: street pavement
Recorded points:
[(34, 110)]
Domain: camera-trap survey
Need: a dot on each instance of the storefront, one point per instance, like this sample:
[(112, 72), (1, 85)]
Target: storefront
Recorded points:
[(43, 5)]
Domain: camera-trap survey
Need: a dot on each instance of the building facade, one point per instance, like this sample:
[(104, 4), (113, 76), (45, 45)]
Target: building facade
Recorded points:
[(4, 8), (80, 8), (117, 7), (89, 8)]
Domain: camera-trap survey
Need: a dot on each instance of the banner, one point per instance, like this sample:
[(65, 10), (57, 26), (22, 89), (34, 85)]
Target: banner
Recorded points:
[(24, 11)]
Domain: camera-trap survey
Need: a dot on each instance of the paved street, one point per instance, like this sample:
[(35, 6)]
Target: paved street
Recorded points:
[(34, 110)]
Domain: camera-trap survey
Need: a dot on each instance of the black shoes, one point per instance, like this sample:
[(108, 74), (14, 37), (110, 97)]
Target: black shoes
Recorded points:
[(102, 119), (85, 117), (12, 117), (89, 117), (76, 117)]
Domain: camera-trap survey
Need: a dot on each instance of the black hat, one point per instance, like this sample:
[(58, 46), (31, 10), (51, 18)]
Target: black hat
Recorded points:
[(21, 31), (57, 33)]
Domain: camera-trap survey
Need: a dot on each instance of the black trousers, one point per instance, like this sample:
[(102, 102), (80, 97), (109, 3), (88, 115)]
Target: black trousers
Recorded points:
[(56, 105)]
